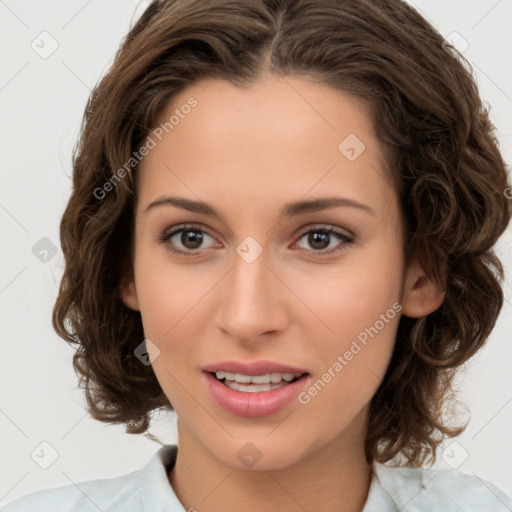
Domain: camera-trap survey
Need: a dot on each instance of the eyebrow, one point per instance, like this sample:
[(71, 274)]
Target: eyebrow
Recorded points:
[(289, 210)]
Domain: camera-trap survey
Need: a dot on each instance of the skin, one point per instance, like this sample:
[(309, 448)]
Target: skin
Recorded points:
[(248, 152)]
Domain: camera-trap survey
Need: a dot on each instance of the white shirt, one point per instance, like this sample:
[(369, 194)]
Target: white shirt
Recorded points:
[(149, 490)]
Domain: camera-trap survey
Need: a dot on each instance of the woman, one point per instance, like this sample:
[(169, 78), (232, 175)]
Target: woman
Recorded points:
[(281, 227)]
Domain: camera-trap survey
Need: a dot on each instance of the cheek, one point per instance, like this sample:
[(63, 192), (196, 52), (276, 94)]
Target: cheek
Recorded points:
[(352, 295), (169, 305), (358, 303), (174, 302), (352, 371), (168, 293)]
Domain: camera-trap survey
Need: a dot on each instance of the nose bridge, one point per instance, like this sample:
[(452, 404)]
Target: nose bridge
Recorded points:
[(251, 304)]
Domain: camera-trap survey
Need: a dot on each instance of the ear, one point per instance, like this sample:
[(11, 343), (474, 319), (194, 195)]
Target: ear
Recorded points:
[(421, 295), (128, 293)]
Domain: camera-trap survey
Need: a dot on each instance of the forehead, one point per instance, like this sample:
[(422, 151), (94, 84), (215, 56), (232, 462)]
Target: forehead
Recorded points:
[(282, 135)]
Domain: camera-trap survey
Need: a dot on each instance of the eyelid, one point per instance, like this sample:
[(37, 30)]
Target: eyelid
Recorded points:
[(326, 227)]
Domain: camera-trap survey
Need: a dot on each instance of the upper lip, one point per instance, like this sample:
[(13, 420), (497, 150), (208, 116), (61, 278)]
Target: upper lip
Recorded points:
[(252, 368)]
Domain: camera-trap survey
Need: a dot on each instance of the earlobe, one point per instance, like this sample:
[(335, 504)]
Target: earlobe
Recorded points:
[(421, 295), (128, 294)]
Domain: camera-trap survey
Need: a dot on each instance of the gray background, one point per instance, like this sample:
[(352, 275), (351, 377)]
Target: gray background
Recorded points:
[(42, 98)]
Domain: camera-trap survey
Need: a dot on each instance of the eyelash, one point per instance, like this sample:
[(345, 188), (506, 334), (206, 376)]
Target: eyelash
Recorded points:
[(348, 240)]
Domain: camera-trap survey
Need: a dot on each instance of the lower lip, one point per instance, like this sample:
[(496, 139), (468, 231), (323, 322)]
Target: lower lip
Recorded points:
[(261, 403)]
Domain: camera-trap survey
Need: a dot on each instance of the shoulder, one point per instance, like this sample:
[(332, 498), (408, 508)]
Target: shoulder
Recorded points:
[(144, 489), (419, 489), (106, 494)]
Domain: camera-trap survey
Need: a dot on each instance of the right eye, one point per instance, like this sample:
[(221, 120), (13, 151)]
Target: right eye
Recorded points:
[(188, 237)]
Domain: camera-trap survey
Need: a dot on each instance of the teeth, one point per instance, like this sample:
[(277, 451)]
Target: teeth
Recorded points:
[(252, 388), (268, 378)]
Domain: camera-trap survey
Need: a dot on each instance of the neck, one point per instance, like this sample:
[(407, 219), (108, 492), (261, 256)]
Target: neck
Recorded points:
[(335, 477)]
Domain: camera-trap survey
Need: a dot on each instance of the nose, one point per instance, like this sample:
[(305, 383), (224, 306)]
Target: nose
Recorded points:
[(253, 302)]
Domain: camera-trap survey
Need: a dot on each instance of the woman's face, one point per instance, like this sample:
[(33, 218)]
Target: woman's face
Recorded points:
[(264, 279)]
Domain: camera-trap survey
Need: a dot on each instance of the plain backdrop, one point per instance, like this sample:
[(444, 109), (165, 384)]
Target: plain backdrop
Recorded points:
[(42, 98)]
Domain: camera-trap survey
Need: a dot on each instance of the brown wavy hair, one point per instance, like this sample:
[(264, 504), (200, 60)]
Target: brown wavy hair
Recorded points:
[(447, 167)]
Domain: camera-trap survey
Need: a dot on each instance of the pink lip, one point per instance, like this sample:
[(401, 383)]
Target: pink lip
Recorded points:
[(254, 368), (253, 404)]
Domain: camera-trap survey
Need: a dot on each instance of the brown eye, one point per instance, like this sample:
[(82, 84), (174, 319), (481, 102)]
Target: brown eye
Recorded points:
[(191, 239), (321, 239), (318, 240), (186, 240)]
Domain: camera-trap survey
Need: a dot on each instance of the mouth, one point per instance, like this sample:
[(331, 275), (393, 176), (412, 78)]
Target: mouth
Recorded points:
[(256, 388), (256, 383)]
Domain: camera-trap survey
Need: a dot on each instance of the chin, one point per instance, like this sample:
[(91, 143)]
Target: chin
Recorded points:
[(264, 455)]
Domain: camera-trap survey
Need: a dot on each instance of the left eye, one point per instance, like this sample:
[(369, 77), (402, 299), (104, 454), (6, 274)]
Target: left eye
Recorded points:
[(320, 239)]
